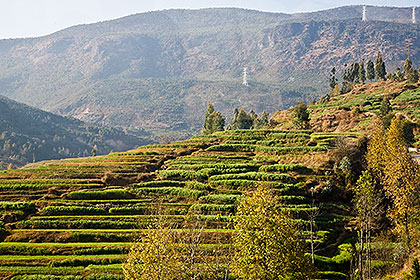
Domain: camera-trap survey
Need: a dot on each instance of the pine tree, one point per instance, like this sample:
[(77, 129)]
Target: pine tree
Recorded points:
[(241, 120), (408, 65), (412, 76), (213, 121), (370, 70), (268, 243), (355, 73), (333, 79), (94, 149), (301, 119), (362, 72), (347, 82), (261, 121), (385, 107), (380, 70)]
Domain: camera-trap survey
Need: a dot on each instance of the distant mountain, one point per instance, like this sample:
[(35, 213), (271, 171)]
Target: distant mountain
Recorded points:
[(158, 71), (28, 134)]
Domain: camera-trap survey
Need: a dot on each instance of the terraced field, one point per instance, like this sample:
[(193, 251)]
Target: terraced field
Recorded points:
[(78, 216), (355, 111)]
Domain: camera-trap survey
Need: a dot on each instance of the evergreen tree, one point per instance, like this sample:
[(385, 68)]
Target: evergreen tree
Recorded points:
[(385, 107), (408, 65), (241, 120), (362, 72), (412, 76), (355, 73), (370, 70), (253, 116), (380, 70), (213, 121), (301, 120), (261, 121), (268, 243), (333, 79), (94, 149), (347, 82)]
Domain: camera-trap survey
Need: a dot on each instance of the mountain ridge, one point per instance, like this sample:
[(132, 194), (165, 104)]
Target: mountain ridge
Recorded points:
[(153, 56)]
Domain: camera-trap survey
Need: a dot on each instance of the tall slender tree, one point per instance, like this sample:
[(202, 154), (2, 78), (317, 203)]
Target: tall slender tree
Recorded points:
[(362, 72), (380, 70), (367, 201), (401, 180), (408, 65), (370, 70), (333, 79)]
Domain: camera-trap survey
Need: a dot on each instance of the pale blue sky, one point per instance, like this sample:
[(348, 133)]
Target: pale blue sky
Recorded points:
[(30, 18)]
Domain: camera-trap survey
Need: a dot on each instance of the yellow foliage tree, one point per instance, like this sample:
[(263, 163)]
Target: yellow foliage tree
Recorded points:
[(390, 161), (401, 179), (155, 257), (267, 242), (376, 149)]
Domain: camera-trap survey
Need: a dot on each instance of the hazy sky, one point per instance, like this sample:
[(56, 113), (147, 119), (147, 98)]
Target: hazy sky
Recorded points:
[(29, 18)]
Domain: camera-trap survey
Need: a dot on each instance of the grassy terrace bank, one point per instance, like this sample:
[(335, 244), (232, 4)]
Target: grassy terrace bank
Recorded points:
[(57, 209)]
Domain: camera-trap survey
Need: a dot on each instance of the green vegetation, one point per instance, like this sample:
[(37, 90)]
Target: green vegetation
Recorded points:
[(213, 121), (30, 135), (79, 216)]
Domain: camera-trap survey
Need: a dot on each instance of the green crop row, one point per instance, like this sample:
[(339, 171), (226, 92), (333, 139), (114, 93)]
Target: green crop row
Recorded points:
[(234, 183), (76, 224), (72, 210), (231, 148), (186, 174), (258, 176), (101, 237), (193, 185), (221, 166), (217, 171), (128, 210), (282, 168), (161, 183), (288, 135), (102, 250), (85, 262), (29, 187), (49, 181), (105, 194), (173, 191), (277, 150), (92, 276), (23, 250), (206, 208), (23, 206), (219, 198)]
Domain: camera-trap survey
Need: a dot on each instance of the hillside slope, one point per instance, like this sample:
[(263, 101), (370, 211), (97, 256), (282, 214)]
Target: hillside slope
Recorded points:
[(147, 70), (77, 216), (355, 111), (28, 134)]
